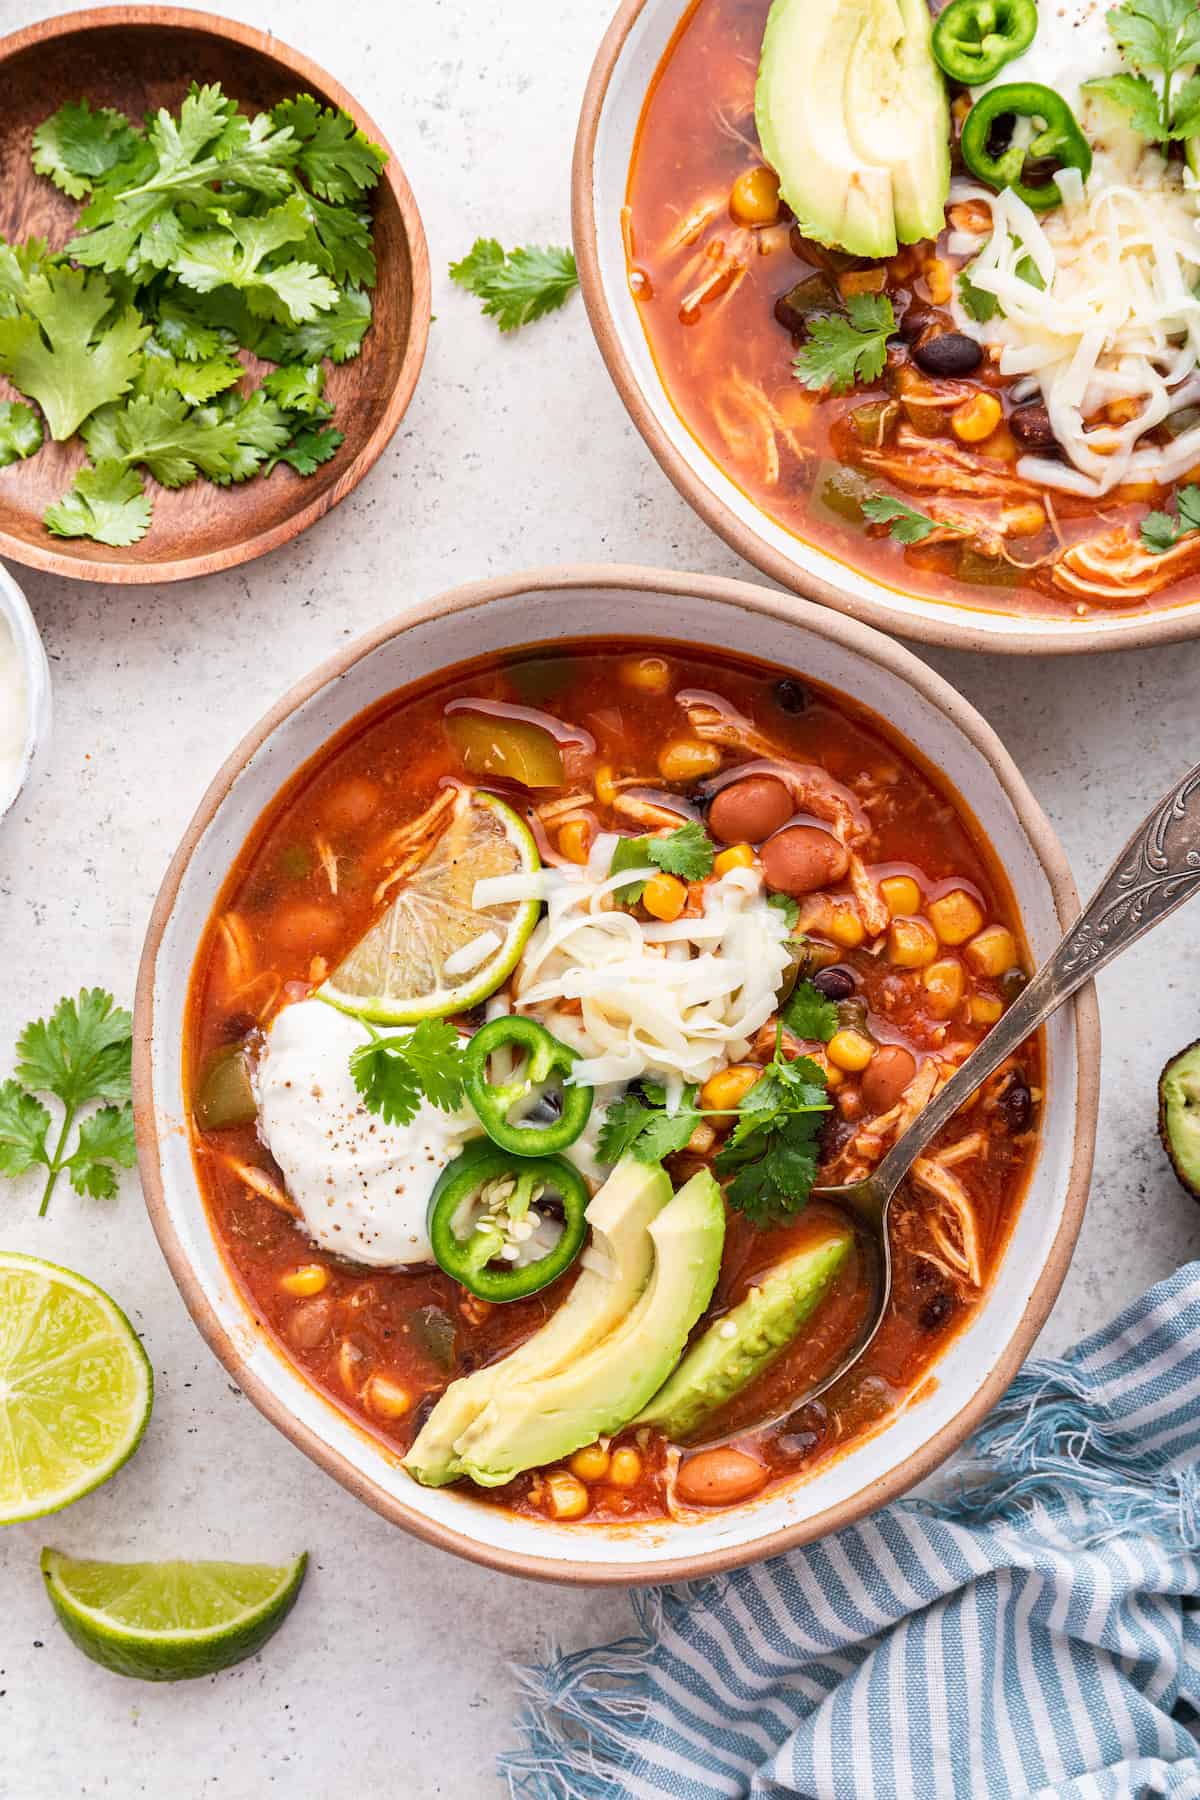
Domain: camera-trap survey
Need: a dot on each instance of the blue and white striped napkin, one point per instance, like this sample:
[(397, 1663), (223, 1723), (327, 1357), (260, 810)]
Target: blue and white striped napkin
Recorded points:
[(1038, 1636)]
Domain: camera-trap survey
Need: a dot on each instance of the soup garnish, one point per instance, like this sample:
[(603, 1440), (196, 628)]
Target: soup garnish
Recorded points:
[(509, 1099), (930, 297)]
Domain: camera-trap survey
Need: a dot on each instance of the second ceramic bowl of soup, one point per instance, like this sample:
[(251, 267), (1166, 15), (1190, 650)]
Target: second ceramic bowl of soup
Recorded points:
[(639, 608)]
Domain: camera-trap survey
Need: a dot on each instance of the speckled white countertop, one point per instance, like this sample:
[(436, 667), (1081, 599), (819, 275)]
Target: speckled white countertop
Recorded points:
[(392, 1675)]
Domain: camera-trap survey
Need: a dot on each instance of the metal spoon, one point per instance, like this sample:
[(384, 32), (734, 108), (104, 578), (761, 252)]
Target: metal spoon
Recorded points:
[(1158, 870)]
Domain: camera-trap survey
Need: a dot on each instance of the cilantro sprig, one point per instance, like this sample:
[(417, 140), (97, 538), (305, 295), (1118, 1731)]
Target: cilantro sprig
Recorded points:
[(640, 1126), (906, 524), (1162, 36), (80, 1054), (395, 1072), (809, 1013), (843, 349), (517, 286), (687, 852), (773, 1151), (1161, 531)]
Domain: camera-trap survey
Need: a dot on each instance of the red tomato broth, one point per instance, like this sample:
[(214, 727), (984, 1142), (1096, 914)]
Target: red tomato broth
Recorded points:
[(417, 1328), (696, 135)]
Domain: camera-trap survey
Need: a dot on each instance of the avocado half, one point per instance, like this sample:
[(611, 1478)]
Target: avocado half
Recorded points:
[(853, 116), (1179, 1116)]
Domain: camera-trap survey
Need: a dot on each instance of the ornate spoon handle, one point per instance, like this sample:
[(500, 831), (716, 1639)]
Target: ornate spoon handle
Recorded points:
[(1158, 870)]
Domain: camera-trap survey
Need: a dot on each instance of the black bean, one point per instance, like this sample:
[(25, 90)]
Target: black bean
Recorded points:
[(835, 984), (1031, 426), (790, 697), (950, 353), (916, 318), (1016, 1104), (1012, 983), (935, 1312), (788, 317)]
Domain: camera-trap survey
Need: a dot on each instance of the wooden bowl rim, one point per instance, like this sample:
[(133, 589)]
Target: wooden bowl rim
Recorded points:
[(657, 585), (309, 75), (947, 625)]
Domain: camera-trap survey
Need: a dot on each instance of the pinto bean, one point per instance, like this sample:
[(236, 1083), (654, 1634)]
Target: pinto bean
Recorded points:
[(803, 858), (310, 1323), (1031, 427), (886, 1076), (719, 1477), (748, 811), (305, 926), (352, 803)]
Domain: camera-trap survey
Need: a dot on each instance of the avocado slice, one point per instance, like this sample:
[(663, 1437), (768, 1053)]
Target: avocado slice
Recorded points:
[(548, 1416), (740, 1346), (1179, 1116), (616, 1271), (852, 115)]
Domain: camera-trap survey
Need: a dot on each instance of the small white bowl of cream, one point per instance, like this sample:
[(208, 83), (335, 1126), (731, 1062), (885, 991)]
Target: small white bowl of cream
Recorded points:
[(24, 691)]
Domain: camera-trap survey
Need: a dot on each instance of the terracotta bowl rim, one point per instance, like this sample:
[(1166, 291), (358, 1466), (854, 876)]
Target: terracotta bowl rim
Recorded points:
[(308, 74), (958, 628), (858, 639)]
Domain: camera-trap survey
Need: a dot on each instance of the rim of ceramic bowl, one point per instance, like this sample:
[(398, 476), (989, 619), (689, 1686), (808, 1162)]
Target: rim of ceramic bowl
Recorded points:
[(657, 584), (945, 624), (31, 652), (42, 36)]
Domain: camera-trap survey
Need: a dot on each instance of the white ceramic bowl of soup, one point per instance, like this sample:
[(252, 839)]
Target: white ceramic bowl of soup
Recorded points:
[(622, 74), (24, 691), (500, 616)]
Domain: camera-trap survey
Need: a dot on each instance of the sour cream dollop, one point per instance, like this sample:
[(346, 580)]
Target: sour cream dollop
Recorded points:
[(362, 1185), (14, 714)]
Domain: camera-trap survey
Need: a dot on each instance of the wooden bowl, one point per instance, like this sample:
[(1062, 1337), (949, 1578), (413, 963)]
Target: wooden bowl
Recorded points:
[(138, 58)]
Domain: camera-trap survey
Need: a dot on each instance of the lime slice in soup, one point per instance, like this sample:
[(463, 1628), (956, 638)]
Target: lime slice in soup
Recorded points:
[(75, 1387), (170, 1621), (432, 953)]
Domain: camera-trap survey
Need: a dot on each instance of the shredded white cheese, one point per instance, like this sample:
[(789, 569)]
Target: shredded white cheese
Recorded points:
[(674, 1001), (1115, 317), (469, 956)]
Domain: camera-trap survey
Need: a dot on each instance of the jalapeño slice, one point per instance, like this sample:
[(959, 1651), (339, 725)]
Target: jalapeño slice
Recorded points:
[(540, 1058), (506, 1226)]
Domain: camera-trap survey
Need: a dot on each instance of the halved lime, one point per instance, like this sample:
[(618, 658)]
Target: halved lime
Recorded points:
[(75, 1387), (170, 1621), (397, 973)]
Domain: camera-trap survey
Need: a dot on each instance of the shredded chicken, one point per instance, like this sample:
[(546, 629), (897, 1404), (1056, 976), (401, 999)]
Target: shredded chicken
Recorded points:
[(1114, 569), (261, 1183), (933, 465), (952, 1226), (554, 811), (329, 862), (407, 847), (647, 812)]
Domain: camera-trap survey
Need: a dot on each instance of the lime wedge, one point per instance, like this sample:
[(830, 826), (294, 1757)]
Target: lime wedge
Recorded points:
[(397, 973), (170, 1621), (75, 1387)]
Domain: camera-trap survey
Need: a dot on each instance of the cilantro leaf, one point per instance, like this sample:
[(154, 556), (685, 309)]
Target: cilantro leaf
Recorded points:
[(1160, 531), (81, 1053), (76, 146), (1137, 96), (337, 333), (976, 301), (311, 446), (234, 254), (644, 1127), (24, 1123), (226, 441), (517, 286), (687, 852), (842, 350), (18, 263), (186, 330), (20, 432), (104, 1139), (58, 352), (339, 241), (338, 161), (1162, 35), (809, 1013), (394, 1073), (106, 503), (907, 525), (197, 382), (787, 906), (772, 1153), (299, 388)]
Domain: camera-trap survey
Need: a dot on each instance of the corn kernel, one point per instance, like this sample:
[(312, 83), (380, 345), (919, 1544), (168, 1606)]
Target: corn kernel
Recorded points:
[(738, 856), (569, 1499), (984, 1010), (590, 1463), (846, 928), (1001, 446), (901, 893), (702, 1139), (604, 784), (665, 897), (308, 1279), (387, 1398), (850, 1051), (993, 951), (1024, 520), (862, 281), (646, 674), (976, 418), (754, 197), (625, 1469), (575, 840), (955, 917), (911, 943), (726, 1089), (944, 984), (833, 1077), (939, 280), (688, 760), (1122, 412)]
